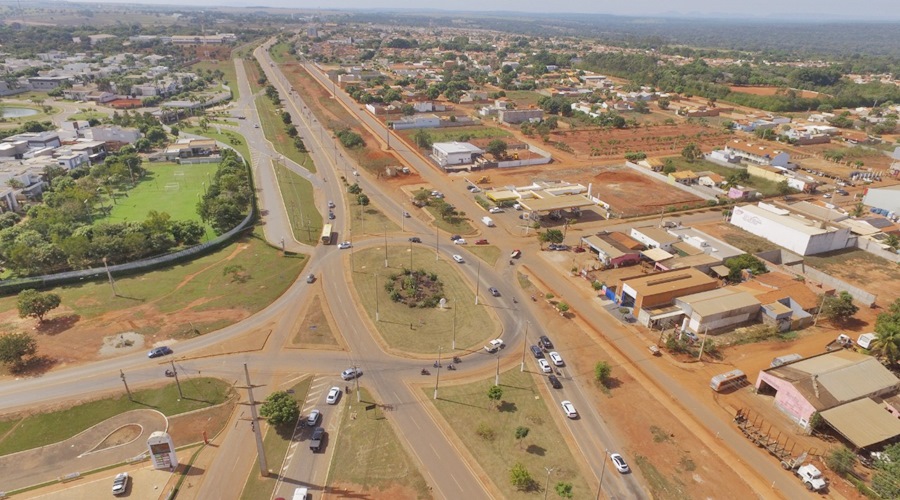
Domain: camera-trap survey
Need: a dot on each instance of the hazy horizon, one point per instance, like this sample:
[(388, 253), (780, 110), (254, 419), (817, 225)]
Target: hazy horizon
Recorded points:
[(798, 10)]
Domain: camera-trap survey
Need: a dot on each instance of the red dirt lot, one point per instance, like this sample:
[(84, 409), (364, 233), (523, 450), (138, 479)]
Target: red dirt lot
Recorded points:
[(630, 193), (657, 140)]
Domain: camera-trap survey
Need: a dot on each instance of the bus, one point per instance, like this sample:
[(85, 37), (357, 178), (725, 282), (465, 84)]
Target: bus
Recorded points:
[(326, 234), (728, 380)]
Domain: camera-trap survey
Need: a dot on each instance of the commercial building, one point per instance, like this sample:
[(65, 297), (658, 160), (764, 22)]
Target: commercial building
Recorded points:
[(450, 154), (850, 390), (649, 294), (416, 121), (885, 198), (654, 237), (760, 155), (799, 235), (718, 310), (611, 251)]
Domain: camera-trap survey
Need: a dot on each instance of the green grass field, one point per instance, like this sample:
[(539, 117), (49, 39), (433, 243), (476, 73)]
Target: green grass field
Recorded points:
[(456, 225), (42, 429), (228, 137), (170, 188), (458, 133), (297, 193), (367, 452), (274, 128), (421, 330), (467, 409), (368, 219)]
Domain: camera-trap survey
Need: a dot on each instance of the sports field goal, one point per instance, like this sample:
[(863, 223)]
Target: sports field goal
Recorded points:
[(172, 186)]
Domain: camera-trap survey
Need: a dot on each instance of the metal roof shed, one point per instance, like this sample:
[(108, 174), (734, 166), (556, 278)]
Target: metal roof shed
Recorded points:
[(863, 422)]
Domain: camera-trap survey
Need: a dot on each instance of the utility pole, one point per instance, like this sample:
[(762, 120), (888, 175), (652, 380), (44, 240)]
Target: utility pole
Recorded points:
[(112, 282), (454, 324), (377, 317), (260, 451), (705, 334), (357, 383), (547, 485), (177, 382), (497, 377), (385, 247), (437, 379), (122, 374), (602, 471), (437, 244), (477, 281), (524, 346), (410, 255)]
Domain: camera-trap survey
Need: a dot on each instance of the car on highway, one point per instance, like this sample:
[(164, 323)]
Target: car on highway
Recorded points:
[(455, 237), (545, 365), (157, 352), (120, 484), (330, 204), (344, 245), (554, 382), (255, 125), (496, 210), (493, 291), (556, 358), (415, 239), (458, 258), (315, 441), (406, 215), (569, 409), (536, 351), (351, 373), (460, 241), (313, 418), (494, 345), (333, 395), (311, 278), (481, 242), (330, 215), (544, 341), (619, 463)]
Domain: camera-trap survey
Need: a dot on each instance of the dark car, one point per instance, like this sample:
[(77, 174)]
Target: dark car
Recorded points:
[(311, 278), (455, 237), (537, 351), (494, 291), (554, 382), (159, 351), (544, 341), (415, 239), (330, 215)]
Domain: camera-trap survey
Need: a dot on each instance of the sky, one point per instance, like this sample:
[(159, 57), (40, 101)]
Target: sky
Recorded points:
[(760, 9)]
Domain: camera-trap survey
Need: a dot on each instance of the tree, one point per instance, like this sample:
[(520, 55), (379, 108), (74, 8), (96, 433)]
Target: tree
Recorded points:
[(564, 490), (892, 241), (354, 189), (602, 371), (422, 139), (497, 148), (663, 103), (495, 392), (36, 304), (784, 189), (280, 409), (520, 477), (562, 307), (841, 460), (839, 308), (237, 272), (14, 347), (362, 199), (692, 152), (887, 331), (886, 480), (521, 433), (551, 236), (736, 265)]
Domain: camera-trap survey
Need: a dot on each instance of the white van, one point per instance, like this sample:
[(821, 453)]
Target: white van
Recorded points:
[(300, 493), (488, 221), (865, 340)]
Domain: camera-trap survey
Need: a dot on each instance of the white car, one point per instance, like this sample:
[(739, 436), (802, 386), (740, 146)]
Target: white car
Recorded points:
[(351, 373), (569, 409), (556, 358), (458, 258), (545, 366), (333, 395), (344, 245), (494, 345), (120, 484), (460, 241), (330, 204), (496, 210), (619, 463), (313, 418)]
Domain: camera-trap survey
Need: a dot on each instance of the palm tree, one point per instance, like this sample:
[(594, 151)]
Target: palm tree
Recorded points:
[(892, 241), (887, 343)]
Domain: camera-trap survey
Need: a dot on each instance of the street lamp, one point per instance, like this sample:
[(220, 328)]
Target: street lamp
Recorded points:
[(547, 485), (377, 318), (385, 247), (477, 281), (454, 324), (437, 379), (602, 471), (524, 346), (497, 377)]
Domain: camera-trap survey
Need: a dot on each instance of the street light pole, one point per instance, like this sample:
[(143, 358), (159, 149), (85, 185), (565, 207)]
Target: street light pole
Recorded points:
[(524, 346), (547, 485), (377, 317), (497, 377), (454, 324), (437, 244), (437, 379), (477, 281), (602, 472), (385, 247)]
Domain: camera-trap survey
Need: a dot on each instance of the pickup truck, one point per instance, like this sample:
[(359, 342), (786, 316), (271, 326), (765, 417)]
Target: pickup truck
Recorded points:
[(494, 345), (315, 441), (811, 477)]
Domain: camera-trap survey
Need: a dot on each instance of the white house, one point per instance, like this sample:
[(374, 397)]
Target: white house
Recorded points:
[(448, 154), (416, 121), (654, 237), (760, 155)]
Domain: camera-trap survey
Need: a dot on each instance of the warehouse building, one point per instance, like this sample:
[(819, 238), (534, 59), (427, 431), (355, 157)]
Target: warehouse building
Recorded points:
[(653, 295), (717, 311), (885, 198), (799, 235)]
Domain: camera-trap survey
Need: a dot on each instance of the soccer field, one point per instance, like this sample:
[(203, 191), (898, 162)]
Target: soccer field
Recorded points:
[(169, 187)]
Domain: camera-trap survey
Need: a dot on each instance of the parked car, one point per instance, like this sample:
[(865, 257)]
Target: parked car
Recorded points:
[(545, 366), (415, 239), (481, 242), (545, 342), (351, 373), (345, 245), (690, 336), (157, 352), (311, 278), (120, 484), (313, 418), (556, 358), (554, 382), (494, 291), (460, 241), (536, 351), (496, 210), (333, 395), (569, 409), (494, 345), (579, 249), (619, 463), (458, 258)]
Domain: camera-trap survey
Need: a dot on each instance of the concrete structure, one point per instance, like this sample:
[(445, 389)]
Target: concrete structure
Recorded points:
[(514, 116), (718, 310), (885, 198), (826, 381), (448, 154), (113, 133), (611, 252), (801, 236), (416, 121), (47, 82), (760, 155), (648, 291), (654, 238)]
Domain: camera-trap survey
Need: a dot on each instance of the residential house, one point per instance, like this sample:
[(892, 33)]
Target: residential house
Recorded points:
[(653, 237), (450, 154), (760, 155), (612, 251), (514, 116)]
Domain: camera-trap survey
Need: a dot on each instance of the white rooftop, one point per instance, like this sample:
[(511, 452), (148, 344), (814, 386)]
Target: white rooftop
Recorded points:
[(456, 147)]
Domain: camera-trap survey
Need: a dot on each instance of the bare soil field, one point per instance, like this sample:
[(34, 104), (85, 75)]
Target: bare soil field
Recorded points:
[(871, 158), (656, 140), (764, 90), (630, 193)]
